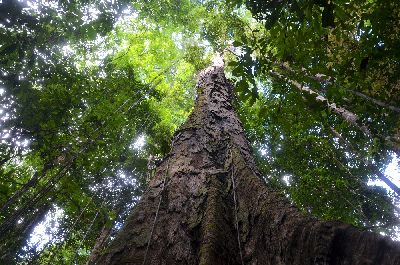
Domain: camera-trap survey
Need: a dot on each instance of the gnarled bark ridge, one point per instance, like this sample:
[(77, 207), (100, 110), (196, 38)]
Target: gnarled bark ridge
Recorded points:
[(207, 204)]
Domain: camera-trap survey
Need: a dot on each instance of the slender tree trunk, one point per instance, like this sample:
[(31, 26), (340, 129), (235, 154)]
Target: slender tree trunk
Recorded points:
[(374, 169), (18, 234), (101, 243), (329, 80), (207, 204), (349, 116)]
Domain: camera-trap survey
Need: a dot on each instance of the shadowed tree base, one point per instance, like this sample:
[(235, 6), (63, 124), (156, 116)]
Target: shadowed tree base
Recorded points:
[(215, 209)]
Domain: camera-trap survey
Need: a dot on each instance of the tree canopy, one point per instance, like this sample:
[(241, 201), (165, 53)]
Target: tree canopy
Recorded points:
[(92, 92)]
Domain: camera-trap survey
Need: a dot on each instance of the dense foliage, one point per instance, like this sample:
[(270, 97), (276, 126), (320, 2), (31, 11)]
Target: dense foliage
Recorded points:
[(92, 91)]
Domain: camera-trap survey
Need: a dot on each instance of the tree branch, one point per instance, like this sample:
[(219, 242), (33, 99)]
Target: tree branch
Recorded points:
[(329, 80), (373, 168), (349, 116)]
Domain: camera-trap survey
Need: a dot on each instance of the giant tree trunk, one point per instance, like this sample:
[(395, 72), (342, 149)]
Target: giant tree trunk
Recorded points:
[(208, 205)]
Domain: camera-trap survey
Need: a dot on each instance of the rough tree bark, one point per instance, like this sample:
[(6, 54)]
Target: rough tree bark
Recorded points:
[(215, 209)]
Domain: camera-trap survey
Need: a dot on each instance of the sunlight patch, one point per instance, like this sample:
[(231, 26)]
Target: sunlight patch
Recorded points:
[(46, 231), (139, 143), (392, 171)]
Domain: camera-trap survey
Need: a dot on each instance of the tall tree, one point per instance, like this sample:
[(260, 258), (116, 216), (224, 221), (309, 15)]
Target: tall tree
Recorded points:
[(208, 205), (80, 81)]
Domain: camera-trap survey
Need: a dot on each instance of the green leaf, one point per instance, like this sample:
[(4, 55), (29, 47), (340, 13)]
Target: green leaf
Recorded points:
[(237, 43)]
